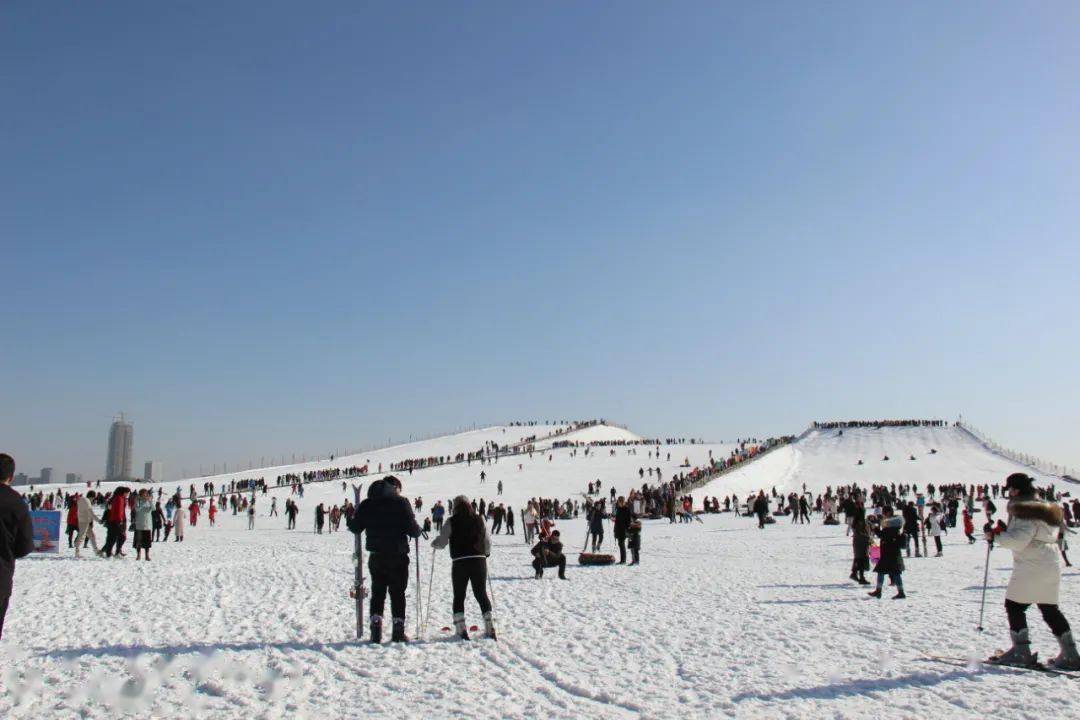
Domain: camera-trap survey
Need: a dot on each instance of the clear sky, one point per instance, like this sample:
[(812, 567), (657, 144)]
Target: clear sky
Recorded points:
[(273, 228)]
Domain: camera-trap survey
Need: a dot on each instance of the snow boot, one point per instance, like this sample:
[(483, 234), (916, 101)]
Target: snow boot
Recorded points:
[(1020, 652), (1068, 658), (875, 593), (489, 626), (854, 576), (459, 626), (398, 633), (899, 595), (376, 629), (862, 578)]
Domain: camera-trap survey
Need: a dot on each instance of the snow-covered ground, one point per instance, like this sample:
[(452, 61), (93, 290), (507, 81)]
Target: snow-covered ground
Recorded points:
[(720, 620)]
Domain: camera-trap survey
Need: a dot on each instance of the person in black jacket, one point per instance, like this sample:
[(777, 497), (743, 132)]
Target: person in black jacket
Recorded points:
[(470, 546), (761, 509), (548, 553), (911, 528), (623, 517), (389, 522), (890, 563), (16, 532)]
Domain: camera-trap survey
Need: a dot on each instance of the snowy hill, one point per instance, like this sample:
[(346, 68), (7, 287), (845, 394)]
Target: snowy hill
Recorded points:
[(720, 619), (831, 458)]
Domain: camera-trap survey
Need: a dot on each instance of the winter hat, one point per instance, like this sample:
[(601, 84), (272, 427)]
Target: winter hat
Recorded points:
[(461, 504), (1021, 482), (393, 481)]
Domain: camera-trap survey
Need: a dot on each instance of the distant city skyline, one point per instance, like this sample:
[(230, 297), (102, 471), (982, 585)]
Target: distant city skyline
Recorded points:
[(264, 230)]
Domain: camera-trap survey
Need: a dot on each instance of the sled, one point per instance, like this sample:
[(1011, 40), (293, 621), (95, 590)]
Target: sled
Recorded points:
[(595, 559)]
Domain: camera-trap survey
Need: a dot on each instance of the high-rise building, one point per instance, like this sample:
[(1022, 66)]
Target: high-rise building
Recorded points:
[(20, 479), (152, 472), (121, 440), (73, 479), (46, 476)]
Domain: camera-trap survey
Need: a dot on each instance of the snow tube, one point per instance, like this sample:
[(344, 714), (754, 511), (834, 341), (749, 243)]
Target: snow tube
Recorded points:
[(595, 559)]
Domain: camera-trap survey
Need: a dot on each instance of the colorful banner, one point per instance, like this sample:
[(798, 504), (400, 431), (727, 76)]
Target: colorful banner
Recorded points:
[(46, 530)]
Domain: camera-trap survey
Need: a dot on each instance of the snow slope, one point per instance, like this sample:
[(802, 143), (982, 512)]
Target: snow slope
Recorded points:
[(828, 458), (720, 620)]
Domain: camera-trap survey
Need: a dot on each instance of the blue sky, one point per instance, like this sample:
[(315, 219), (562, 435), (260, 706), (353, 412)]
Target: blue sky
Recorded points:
[(274, 228)]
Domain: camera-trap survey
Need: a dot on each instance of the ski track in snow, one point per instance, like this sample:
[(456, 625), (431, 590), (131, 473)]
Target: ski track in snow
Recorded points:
[(720, 620)]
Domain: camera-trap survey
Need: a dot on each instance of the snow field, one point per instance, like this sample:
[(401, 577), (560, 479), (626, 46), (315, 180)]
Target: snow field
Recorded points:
[(720, 620)]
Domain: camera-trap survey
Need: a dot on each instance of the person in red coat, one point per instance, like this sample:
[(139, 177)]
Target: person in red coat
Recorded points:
[(969, 527), (211, 513), (194, 512), (72, 518), (116, 525)]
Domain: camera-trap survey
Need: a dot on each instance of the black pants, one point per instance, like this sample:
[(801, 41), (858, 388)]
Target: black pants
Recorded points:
[(114, 538), (597, 539), (472, 570), (937, 542), (539, 566), (1051, 614), (760, 520), (621, 539), (496, 526), (3, 611), (388, 572)]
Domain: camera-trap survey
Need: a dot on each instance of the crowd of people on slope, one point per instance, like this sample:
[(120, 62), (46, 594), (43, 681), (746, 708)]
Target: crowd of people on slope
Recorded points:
[(876, 424)]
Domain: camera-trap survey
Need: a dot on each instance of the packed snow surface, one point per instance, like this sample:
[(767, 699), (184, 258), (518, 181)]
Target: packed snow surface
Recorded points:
[(720, 620)]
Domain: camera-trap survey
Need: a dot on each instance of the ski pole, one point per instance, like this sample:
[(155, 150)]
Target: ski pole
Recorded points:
[(491, 591), (986, 572), (419, 608), (430, 582)]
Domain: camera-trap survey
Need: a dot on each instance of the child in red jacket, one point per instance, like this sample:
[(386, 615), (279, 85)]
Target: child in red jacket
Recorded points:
[(969, 527)]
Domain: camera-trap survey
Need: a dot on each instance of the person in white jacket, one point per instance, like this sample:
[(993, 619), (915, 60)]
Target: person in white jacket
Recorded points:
[(87, 518), (1032, 535)]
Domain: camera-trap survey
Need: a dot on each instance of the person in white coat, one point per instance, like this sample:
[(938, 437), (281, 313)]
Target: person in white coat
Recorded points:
[(87, 518), (1032, 535)]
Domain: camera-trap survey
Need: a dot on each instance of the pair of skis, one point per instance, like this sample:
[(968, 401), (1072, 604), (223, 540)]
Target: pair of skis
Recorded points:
[(1037, 667)]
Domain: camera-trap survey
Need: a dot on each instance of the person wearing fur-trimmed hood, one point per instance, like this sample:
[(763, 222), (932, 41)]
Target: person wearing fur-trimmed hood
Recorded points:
[(470, 546), (1032, 534)]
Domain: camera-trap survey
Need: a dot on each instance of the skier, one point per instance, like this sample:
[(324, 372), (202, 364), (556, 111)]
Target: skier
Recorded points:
[(470, 546), (389, 521), (1032, 534)]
